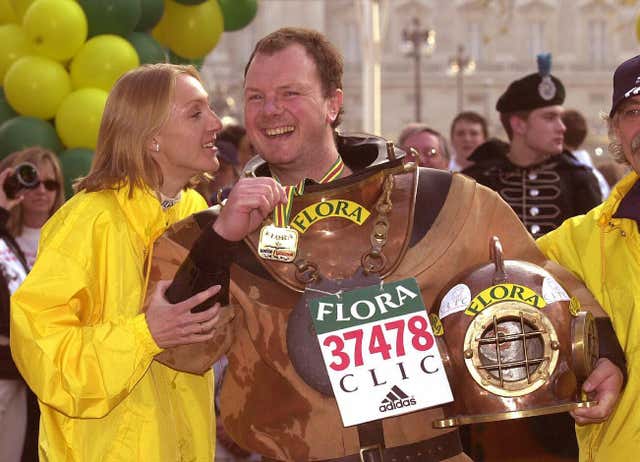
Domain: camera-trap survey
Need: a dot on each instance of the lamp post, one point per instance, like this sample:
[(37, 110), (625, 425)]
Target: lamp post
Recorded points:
[(461, 65), (417, 41)]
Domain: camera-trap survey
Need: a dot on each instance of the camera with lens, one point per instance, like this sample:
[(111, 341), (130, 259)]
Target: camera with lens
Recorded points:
[(25, 176)]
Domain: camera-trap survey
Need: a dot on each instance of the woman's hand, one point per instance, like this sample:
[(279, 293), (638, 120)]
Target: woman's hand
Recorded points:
[(174, 324), (5, 202)]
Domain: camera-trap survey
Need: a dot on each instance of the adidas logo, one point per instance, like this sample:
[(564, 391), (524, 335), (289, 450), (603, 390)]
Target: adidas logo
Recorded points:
[(395, 399)]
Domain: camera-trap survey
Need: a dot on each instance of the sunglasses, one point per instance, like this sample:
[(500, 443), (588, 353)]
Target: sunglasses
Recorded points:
[(49, 185)]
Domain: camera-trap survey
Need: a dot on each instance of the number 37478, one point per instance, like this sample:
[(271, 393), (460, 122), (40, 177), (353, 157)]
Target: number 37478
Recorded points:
[(394, 338)]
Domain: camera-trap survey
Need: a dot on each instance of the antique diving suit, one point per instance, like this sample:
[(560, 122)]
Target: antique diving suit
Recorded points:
[(437, 225)]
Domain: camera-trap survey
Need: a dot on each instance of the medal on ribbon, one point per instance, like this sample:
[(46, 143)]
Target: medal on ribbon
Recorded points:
[(278, 241)]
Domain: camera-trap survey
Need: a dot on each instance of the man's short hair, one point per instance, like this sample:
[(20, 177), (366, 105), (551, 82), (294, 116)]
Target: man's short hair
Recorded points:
[(328, 60), (505, 120), (576, 131), (471, 117)]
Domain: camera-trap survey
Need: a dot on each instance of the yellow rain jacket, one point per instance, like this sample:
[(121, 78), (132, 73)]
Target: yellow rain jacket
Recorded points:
[(81, 341), (604, 252)]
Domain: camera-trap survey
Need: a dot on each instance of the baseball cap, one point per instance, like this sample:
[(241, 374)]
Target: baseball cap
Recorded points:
[(626, 82)]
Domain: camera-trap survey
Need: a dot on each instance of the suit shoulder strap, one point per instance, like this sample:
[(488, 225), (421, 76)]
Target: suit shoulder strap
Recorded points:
[(433, 187)]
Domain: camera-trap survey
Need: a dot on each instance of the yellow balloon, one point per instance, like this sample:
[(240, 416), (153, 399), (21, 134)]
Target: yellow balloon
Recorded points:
[(35, 86), (191, 31), (161, 31), (56, 28), (20, 7), (101, 61), (13, 45), (79, 116), (7, 15)]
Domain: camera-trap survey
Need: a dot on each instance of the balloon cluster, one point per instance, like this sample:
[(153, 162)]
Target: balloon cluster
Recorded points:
[(60, 58)]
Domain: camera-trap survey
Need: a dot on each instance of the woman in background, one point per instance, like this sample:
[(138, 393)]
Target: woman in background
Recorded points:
[(21, 216), (39, 203)]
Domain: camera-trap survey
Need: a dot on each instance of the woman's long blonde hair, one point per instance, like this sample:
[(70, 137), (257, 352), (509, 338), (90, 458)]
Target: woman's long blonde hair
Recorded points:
[(137, 107), (37, 156)]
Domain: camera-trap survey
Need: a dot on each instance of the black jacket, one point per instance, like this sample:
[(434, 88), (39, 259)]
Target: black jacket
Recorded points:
[(8, 368), (542, 195)]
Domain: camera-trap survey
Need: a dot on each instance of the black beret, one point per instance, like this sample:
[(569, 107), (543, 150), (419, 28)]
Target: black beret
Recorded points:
[(531, 92)]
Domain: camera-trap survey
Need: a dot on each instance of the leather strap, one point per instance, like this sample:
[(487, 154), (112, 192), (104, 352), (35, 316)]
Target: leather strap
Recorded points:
[(371, 437), (433, 450), (609, 346), (433, 187)]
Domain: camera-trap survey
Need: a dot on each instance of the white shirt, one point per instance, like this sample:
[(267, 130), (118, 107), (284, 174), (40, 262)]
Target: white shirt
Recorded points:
[(28, 242), (585, 159)]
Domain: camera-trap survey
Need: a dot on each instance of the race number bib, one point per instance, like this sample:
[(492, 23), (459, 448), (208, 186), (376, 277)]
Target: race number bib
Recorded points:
[(380, 351)]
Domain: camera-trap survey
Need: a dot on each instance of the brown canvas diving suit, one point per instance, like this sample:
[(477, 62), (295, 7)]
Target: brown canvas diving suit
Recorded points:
[(440, 225)]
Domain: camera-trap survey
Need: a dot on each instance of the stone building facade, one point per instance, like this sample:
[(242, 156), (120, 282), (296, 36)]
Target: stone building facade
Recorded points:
[(587, 39)]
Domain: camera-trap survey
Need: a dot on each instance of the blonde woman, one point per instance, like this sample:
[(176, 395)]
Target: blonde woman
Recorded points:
[(82, 334)]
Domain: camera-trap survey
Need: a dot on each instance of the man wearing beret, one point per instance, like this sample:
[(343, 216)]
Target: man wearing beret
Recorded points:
[(543, 184), (602, 248)]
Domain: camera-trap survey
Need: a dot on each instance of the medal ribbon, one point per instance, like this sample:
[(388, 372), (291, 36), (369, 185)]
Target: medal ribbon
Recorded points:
[(282, 212)]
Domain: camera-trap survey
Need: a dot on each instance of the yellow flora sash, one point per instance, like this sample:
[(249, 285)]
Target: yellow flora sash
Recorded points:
[(502, 293), (342, 208)]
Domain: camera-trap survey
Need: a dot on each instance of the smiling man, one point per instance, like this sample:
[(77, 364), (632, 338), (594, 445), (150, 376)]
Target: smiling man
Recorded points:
[(321, 213), (601, 248), (541, 182)]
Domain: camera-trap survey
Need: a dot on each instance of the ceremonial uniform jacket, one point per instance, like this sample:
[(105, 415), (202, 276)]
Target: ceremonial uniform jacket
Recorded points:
[(542, 195), (602, 248), (266, 406), (81, 341)]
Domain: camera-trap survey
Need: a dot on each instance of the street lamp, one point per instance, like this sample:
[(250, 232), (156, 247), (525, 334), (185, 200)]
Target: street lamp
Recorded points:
[(417, 41), (461, 65)]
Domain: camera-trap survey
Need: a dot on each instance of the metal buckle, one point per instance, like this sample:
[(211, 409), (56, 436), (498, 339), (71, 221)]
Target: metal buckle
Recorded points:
[(373, 447)]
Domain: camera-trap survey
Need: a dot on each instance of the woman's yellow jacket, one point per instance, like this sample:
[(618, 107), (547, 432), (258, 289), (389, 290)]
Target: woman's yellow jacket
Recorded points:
[(80, 339)]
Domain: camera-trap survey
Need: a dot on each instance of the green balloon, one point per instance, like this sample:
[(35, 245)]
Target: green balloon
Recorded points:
[(149, 50), (6, 111), (190, 2), (23, 132), (150, 14), (117, 17), (237, 13), (176, 59), (75, 163)]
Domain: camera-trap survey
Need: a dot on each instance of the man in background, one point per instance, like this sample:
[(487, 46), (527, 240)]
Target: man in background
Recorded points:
[(541, 182), (468, 131), (573, 138), (601, 248), (425, 146)]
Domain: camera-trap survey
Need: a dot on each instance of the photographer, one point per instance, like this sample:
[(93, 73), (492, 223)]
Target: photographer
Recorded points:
[(38, 202), (13, 391)]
